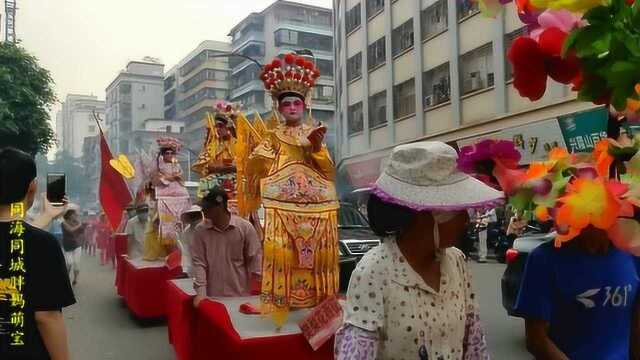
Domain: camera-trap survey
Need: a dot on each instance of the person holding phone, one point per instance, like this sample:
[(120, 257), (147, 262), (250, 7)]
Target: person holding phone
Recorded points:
[(46, 285)]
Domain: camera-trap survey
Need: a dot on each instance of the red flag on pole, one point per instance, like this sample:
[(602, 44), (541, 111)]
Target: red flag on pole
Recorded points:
[(114, 193)]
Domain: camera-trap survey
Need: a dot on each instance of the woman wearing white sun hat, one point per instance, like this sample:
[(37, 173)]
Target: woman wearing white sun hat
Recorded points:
[(411, 297)]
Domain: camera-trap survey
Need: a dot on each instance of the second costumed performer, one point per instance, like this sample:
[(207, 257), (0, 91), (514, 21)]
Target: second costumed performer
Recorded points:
[(292, 174)]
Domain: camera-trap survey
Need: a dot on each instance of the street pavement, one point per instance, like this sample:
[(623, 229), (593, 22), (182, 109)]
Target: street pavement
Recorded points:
[(100, 327), (505, 334)]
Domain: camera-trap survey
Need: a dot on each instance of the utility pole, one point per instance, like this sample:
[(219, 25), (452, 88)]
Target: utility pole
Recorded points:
[(10, 21)]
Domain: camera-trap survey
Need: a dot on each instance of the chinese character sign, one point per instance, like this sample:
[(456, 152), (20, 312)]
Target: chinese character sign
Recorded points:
[(12, 321), (322, 323), (583, 130), (535, 140)]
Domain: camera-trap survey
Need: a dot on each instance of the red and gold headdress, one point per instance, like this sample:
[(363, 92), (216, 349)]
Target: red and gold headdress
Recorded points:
[(227, 110), (294, 75), (169, 143)]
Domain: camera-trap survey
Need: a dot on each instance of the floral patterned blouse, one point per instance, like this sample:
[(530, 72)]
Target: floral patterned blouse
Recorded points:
[(391, 313)]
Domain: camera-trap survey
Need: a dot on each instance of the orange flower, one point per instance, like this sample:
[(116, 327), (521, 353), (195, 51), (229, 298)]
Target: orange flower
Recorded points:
[(542, 213), (588, 202), (537, 170), (602, 157)]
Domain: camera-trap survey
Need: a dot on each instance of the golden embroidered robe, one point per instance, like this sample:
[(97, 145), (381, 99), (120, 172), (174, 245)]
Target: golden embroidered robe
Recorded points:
[(300, 259)]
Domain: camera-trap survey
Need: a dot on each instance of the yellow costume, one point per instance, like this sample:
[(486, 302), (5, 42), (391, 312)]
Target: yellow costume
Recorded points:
[(296, 187), (217, 152)]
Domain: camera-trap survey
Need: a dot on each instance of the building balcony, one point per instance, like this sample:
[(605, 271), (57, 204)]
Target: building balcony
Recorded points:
[(326, 106), (217, 84), (253, 85), (245, 63), (299, 25), (202, 103), (250, 37)]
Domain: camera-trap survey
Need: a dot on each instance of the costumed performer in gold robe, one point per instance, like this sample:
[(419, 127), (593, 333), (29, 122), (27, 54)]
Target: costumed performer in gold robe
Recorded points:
[(216, 163), (291, 173)]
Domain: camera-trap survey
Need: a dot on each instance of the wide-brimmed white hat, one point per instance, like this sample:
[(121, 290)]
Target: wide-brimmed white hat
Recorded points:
[(424, 176)]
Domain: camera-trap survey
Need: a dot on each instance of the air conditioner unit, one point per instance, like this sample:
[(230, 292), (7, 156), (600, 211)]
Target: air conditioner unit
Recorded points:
[(474, 82), (467, 86), (428, 100)]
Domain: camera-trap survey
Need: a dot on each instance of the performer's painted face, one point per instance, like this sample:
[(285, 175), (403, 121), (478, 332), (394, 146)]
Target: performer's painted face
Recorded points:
[(168, 155), (223, 131), (292, 108)]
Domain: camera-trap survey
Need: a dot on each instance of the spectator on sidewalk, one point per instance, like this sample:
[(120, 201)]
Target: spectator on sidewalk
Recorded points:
[(46, 288), (226, 251)]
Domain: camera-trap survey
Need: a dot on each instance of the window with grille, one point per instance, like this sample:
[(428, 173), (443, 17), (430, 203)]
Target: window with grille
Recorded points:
[(286, 37), (404, 99), (355, 119), (477, 69), (436, 86), (325, 67), (467, 8), (376, 53), (374, 7), (354, 67), (402, 37), (352, 20), (434, 19), (378, 109)]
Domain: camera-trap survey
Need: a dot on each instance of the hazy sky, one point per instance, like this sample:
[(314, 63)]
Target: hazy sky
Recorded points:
[(84, 43)]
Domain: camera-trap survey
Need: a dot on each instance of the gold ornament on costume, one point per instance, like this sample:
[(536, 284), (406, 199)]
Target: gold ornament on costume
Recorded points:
[(123, 166)]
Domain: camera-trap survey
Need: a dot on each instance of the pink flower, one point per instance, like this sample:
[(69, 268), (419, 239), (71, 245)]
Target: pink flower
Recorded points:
[(563, 20), (481, 157)]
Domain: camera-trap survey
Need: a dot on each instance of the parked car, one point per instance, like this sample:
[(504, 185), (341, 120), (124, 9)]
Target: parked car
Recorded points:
[(355, 239), (516, 258)]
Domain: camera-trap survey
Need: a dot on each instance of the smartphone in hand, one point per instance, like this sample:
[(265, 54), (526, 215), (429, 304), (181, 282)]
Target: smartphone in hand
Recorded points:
[(56, 188)]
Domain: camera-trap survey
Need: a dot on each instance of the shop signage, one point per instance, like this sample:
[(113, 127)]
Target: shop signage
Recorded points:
[(582, 130), (535, 140)]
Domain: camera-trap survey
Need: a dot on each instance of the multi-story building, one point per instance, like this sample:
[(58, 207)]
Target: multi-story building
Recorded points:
[(75, 122), (281, 28), (91, 171), (194, 86), (135, 95), (411, 70)]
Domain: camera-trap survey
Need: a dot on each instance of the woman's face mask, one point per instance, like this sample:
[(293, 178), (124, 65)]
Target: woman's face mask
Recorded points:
[(446, 231), (442, 217)]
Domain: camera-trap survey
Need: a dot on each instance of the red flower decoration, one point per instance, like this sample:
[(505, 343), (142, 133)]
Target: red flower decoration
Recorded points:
[(268, 67), (533, 62), (316, 73), (289, 59), (308, 65), (276, 63), (300, 61)]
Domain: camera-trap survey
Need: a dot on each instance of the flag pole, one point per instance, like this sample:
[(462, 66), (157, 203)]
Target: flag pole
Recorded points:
[(97, 119)]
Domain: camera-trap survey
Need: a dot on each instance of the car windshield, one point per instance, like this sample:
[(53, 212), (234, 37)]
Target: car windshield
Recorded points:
[(349, 217)]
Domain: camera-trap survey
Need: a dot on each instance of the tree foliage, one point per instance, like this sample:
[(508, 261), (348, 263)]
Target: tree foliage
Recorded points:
[(26, 96)]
